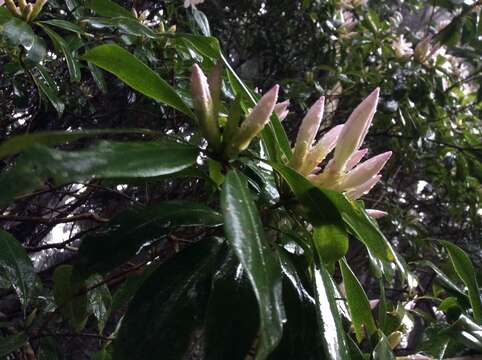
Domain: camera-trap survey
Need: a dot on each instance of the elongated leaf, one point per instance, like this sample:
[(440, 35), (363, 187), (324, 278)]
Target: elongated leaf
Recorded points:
[(16, 144), (17, 268), (64, 25), (136, 74), (169, 306), (465, 270), (11, 343), (126, 25), (358, 304), (98, 77), (48, 88), (301, 338), (329, 320), (107, 8), (382, 351), (245, 234), (99, 301), (72, 305), (230, 334), (106, 160), (122, 238), (61, 45), (352, 214)]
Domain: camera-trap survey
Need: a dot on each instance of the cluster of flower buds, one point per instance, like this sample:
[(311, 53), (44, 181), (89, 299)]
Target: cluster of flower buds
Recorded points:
[(25, 10), (344, 172), (234, 137)]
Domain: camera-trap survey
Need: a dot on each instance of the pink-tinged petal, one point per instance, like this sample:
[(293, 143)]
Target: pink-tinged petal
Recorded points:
[(355, 159), (203, 106), (365, 171), (200, 90), (307, 132), (281, 109), (376, 214), (256, 120), (355, 130), (322, 148), (363, 189)]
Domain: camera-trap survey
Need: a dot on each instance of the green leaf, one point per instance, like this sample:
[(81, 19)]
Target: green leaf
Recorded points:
[(203, 45), (123, 236), (107, 8), (16, 144), (465, 270), (11, 343), (126, 25), (105, 160), (48, 88), (99, 301), (136, 74), (301, 338), (68, 297), (129, 287), (19, 33), (358, 303), (245, 234), (327, 205), (382, 351), (169, 306), (230, 334), (17, 268), (64, 25), (98, 77), (329, 320), (61, 45)]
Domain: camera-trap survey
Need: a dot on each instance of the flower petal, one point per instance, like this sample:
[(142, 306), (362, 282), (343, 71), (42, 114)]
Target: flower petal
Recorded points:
[(364, 172), (363, 189)]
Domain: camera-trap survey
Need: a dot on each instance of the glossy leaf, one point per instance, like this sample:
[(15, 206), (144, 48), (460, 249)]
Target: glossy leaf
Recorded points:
[(123, 236), (301, 338), (60, 44), (69, 298), (17, 268), (230, 333), (358, 304), (16, 144), (64, 25), (465, 270), (169, 306), (107, 8), (99, 301), (48, 88), (19, 33), (329, 319), (136, 74), (98, 77), (352, 214), (245, 235), (382, 351), (125, 25), (105, 160)]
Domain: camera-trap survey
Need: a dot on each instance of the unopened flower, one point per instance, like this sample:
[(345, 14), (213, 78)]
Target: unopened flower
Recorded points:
[(25, 10), (344, 172), (281, 110), (376, 214), (204, 107), (192, 3), (402, 48), (253, 124)]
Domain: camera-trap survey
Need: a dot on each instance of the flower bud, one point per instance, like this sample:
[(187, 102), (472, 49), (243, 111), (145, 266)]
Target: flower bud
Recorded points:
[(37, 8), (355, 159), (13, 8), (322, 148), (364, 172), (281, 109), (363, 189), (355, 130), (307, 132), (203, 106), (254, 123)]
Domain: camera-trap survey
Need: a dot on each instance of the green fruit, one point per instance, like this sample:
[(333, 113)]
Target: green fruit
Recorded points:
[(331, 242)]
